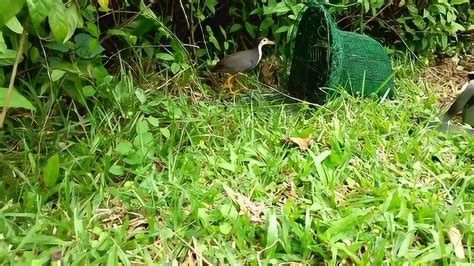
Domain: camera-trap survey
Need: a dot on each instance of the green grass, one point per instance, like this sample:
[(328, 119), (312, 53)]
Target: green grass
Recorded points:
[(199, 178)]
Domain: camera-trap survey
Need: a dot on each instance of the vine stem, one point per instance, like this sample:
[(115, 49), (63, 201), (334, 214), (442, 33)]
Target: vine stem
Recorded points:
[(13, 76)]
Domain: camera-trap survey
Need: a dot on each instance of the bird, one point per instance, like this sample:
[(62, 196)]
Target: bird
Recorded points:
[(464, 103), (241, 61)]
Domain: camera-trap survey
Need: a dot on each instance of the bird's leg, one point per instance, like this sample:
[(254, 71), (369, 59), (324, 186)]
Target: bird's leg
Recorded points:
[(229, 83), (236, 79)]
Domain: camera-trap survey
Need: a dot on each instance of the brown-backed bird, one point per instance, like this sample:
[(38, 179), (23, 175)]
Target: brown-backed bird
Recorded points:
[(464, 103)]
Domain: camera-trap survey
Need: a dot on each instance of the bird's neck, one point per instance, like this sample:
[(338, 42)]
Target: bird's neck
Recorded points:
[(259, 49)]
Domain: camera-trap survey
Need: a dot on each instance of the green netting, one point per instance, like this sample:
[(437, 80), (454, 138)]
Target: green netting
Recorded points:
[(324, 57)]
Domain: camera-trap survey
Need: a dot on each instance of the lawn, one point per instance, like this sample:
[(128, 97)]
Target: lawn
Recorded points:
[(170, 172)]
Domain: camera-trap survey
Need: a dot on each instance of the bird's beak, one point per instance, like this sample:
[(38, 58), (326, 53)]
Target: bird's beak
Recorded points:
[(271, 42)]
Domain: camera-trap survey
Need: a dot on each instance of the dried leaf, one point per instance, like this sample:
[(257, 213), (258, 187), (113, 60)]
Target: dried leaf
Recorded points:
[(116, 202), (137, 224), (303, 143), (189, 260), (455, 238), (252, 209), (269, 69)]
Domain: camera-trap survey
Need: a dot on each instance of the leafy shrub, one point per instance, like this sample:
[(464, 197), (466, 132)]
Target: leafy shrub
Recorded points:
[(441, 27), (73, 47)]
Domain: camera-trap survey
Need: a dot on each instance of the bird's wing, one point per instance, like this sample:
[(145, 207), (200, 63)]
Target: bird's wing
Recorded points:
[(238, 61)]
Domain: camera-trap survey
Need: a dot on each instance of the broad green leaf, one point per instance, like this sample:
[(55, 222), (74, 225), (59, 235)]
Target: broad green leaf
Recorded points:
[(229, 211), (124, 148), (424, 43), (251, 29), (73, 15), (164, 56), (266, 23), (133, 39), (426, 13), (405, 245), (413, 9), (112, 258), (441, 8), (203, 216), (87, 46), (116, 170), (100, 73), (118, 32), (142, 127), (39, 10), (57, 74), (3, 45), (134, 158), (92, 29), (175, 67), (51, 171), (140, 95), (147, 12), (419, 22), (88, 91), (16, 100), (7, 56), (235, 28), (279, 8), (450, 17), (272, 230), (35, 55), (59, 46), (9, 8), (225, 228), (282, 29), (153, 121), (211, 5), (214, 41), (444, 41), (144, 140), (58, 21), (126, 36), (165, 132), (458, 2), (15, 25), (223, 32), (456, 27), (226, 165)]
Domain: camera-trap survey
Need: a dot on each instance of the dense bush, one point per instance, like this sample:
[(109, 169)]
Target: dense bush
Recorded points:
[(70, 43), (426, 27)]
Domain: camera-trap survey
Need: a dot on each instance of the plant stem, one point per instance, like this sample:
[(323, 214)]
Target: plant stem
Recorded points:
[(12, 78)]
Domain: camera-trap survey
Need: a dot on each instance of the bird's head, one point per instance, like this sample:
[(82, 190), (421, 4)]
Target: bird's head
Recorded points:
[(261, 41)]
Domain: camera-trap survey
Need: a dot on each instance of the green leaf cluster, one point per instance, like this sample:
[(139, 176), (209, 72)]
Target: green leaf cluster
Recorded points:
[(75, 47)]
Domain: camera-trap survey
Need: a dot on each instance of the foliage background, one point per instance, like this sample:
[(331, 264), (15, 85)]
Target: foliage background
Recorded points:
[(101, 33), (88, 126)]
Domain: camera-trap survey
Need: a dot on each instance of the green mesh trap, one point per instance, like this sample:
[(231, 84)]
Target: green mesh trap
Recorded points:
[(324, 58)]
